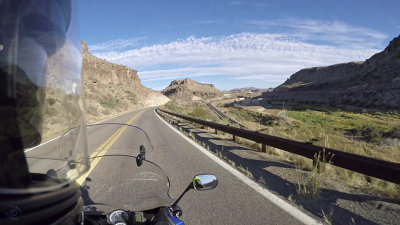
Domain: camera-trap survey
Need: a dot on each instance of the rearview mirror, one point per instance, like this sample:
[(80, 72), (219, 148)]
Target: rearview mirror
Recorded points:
[(203, 182), (200, 182), (141, 156)]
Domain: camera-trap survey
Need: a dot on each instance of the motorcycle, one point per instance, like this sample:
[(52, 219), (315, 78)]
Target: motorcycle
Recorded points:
[(123, 186)]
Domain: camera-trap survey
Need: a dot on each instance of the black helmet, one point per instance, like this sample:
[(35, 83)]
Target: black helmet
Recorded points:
[(40, 97)]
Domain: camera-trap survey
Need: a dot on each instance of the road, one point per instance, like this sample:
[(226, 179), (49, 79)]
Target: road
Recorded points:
[(232, 202), (222, 115)]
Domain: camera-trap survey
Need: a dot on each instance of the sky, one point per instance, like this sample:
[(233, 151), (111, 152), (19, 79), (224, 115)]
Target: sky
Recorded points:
[(234, 44)]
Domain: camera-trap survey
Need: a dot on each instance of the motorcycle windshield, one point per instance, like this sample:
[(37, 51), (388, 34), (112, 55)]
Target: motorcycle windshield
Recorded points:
[(121, 175)]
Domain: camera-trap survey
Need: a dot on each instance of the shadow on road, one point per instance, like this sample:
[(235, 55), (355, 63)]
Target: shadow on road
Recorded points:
[(89, 204)]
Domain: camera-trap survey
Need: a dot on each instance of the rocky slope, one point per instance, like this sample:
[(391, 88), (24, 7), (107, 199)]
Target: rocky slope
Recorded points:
[(190, 90), (111, 88), (374, 83)]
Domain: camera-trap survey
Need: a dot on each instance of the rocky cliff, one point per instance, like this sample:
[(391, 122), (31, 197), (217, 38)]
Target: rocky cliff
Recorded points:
[(190, 90), (111, 88), (374, 83)]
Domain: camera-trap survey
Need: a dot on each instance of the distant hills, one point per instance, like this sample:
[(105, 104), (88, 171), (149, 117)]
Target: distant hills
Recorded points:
[(247, 89), (374, 83)]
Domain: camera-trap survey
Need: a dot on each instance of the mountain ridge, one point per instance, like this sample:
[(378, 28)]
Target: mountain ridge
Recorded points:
[(374, 83)]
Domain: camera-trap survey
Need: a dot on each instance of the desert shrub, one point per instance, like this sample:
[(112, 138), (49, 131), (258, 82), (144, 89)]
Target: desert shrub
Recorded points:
[(131, 97), (197, 112), (92, 111), (108, 102), (370, 132), (51, 101), (106, 112), (394, 132), (171, 105)]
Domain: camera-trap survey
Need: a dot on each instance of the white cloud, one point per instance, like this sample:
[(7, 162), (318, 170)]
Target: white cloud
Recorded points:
[(333, 32), (119, 44), (264, 59)]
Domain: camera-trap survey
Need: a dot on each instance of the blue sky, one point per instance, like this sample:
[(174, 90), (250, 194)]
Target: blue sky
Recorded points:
[(234, 43)]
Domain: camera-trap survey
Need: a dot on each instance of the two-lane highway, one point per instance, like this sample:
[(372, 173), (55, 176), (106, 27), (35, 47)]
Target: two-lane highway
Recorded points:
[(232, 202)]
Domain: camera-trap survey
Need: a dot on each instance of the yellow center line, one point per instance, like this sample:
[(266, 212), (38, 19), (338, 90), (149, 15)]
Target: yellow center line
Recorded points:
[(103, 148)]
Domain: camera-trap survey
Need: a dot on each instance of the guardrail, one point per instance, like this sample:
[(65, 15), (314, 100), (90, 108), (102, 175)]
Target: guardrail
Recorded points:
[(381, 169), (223, 116)]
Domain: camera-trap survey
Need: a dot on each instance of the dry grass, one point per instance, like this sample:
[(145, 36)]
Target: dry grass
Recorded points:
[(312, 186), (327, 218), (253, 145), (245, 171), (261, 180)]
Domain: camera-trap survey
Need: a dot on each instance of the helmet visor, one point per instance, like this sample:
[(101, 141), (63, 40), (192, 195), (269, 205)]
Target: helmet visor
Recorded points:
[(42, 98)]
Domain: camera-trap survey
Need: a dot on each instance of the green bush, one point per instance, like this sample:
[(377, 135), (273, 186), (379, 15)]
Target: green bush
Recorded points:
[(108, 102), (394, 132), (131, 97), (198, 112), (51, 101), (171, 106), (370, 132)]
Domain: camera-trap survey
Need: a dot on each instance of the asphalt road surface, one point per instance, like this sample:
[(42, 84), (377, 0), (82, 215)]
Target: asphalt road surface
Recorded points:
[(232, 202)]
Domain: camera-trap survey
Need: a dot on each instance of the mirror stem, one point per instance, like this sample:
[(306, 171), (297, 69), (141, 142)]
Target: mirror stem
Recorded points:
[(189, 187)]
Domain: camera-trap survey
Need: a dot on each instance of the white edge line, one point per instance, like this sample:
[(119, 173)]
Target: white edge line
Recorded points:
[(30, 149), (293, 211)]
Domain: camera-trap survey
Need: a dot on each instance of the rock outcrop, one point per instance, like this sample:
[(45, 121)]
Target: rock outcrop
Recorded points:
[(190, 90), (374, 83)]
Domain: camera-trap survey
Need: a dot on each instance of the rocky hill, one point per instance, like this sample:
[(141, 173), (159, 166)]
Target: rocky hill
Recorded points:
[(111, 88), (190, 90), (374, 83)]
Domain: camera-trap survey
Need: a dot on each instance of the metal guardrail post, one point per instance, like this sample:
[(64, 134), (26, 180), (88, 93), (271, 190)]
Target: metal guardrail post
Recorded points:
[(264, 148)]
